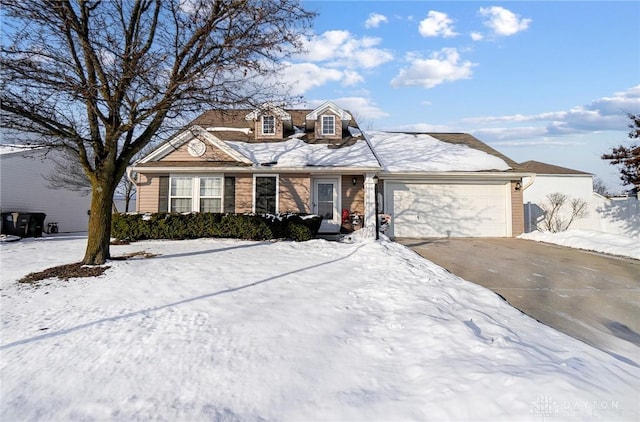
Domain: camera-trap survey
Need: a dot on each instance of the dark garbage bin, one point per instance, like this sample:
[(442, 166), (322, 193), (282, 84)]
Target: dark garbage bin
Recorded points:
[(30, 224), (9, 220)]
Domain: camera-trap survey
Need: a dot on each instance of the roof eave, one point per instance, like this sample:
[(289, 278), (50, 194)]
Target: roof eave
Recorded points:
[(256, 169)]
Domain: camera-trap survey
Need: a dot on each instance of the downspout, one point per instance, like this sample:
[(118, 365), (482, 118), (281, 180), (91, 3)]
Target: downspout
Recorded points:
[(533, 178)]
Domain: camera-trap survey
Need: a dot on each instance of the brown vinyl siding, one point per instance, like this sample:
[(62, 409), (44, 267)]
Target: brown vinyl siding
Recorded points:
[(353, 196), (279, 134), (148, 192), (338, 126), (244, 192), (211, 154), (295, 193), (517, 210)]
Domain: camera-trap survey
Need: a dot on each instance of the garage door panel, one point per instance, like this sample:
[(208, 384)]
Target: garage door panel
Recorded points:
[(451, 210)]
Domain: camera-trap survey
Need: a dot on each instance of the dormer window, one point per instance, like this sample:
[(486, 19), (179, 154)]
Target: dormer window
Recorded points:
[(268, 125), (328, 125)]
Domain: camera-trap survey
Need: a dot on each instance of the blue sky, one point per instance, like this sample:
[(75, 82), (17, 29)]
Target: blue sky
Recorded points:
[(546, 81)]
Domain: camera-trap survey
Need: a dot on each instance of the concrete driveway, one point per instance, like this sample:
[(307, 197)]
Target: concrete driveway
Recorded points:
[(589, 296)]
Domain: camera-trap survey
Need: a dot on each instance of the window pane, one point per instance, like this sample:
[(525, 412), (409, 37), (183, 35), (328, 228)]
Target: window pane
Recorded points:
[(325, 210), (181, 186), (181, 205), (325, 192), (211, 205), (211, 186), (265, 194), (268, 125), (328, 125)]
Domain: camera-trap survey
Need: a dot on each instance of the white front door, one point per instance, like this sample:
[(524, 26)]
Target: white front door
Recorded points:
[(326, 204)]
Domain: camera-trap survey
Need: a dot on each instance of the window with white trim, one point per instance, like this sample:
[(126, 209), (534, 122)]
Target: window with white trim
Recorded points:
[(329, 125), (268, 125), (196, 193), (181, 194), (265, 194), (210, 194)]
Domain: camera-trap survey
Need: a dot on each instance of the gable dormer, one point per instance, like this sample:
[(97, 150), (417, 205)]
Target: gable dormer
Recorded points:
[(270, 121), (328, 121)]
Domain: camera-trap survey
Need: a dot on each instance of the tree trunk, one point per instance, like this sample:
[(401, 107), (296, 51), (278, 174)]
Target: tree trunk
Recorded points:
[(97, 251)]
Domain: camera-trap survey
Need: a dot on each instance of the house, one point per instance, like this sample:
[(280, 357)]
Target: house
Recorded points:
[(25, 188), (611, 215), (265, 160), (271, 159)]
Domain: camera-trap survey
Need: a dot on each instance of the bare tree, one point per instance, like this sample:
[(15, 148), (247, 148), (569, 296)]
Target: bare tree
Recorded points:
[(556, 218), (100, 79), (600, 187)]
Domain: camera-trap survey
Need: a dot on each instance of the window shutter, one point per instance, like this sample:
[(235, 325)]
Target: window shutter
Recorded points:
[(163, 200), (230, 194)]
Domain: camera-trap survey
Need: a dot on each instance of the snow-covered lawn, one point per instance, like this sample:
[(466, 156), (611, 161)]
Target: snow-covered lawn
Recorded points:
[(590, 240), (236, 330)]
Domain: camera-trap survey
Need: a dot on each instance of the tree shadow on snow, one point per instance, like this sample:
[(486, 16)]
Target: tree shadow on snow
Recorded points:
[(181, 302)]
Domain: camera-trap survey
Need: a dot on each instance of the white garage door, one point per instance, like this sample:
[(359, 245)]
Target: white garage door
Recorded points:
[(448, 210)]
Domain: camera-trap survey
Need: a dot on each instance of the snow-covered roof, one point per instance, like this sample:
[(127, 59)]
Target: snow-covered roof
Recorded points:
[(297, 153), (410, 152), (11, 149), (269, 108)]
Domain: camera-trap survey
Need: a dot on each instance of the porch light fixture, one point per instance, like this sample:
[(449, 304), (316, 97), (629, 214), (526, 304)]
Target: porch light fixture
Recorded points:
[(354, 181), (518, 186)]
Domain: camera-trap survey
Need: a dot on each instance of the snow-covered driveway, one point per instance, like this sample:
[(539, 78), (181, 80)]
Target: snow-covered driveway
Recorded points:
[(236, 330), (592, 297)]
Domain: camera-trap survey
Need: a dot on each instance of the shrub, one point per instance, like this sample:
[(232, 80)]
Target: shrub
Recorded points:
[(133, 227)]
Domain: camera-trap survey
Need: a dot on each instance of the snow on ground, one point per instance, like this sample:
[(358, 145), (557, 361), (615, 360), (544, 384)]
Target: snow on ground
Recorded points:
[(590, 240), (237, 330), (420, 152)]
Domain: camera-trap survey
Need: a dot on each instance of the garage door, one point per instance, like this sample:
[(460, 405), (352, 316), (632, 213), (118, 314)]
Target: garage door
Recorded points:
[(448, 210)]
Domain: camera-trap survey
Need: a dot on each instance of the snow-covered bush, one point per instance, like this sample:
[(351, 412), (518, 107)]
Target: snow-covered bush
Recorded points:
[(201, 225)]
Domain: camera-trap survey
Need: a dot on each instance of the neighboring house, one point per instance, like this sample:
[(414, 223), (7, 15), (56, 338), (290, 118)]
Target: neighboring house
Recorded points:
[(24, 188), (611, 215), (317, 161)]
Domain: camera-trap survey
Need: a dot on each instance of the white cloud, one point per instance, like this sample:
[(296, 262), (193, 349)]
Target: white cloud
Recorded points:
[(443, 66), (423, 128), (437, 24), (301, 77), (342, 49), (476, 36), (351, 77), (374, 20), (362, 108), (602, 114), (503, 22)]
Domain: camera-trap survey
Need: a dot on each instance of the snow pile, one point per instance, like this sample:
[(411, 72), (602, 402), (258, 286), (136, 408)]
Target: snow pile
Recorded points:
[(238, 330), (404, 152), (590, 240), (297, 153)]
